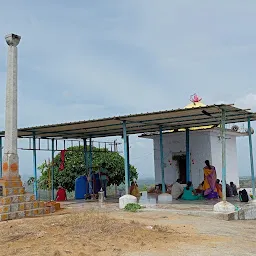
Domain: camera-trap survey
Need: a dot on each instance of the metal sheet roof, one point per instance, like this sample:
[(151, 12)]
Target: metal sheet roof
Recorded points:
[(140, 123)]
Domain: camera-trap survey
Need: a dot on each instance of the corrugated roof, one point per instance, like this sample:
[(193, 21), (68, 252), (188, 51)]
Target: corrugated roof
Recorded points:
[(140, 123)]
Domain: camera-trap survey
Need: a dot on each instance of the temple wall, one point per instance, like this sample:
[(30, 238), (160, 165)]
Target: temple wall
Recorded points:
[(203, 145), (231, 154)]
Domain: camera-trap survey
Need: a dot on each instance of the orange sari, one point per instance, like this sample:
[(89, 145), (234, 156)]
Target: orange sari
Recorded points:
[(219, 189)]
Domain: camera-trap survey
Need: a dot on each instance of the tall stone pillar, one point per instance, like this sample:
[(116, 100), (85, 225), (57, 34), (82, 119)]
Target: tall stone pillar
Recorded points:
[(10, 158), (14, 201)]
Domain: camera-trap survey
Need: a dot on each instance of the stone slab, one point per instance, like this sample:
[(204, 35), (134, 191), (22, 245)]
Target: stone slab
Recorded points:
[(4, 209), (127, 199), (165, 198)]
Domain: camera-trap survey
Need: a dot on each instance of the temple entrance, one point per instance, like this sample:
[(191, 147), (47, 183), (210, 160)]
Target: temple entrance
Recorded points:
[(180, 159), (182, 170)]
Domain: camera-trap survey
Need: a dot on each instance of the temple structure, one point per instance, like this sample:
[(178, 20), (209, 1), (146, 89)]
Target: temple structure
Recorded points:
[(204, 144)]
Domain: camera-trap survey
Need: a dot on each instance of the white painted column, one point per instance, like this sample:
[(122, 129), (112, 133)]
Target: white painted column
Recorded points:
[(10, 157)]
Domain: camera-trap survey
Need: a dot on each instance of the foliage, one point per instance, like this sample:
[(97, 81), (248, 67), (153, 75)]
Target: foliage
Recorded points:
[(75, 167), (30, 181), (132, 207), (144, 188)]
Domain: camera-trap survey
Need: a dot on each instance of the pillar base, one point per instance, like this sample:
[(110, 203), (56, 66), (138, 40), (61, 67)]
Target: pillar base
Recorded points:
[(127, 199), (224, 206), (16, 204)]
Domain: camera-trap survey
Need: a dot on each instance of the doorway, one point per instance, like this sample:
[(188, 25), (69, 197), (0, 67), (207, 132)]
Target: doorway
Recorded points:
[(182, 170), (180, 159)]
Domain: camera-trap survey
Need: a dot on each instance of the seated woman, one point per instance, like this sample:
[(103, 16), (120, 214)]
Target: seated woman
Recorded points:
[(134, 190), (219, 188), (200, 188), (189, 192), (61, 194)]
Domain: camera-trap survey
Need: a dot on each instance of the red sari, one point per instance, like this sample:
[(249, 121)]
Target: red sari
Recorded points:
[(61, 195)]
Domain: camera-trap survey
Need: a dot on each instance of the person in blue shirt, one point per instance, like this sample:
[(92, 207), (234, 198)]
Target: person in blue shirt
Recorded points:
[(189, 193)]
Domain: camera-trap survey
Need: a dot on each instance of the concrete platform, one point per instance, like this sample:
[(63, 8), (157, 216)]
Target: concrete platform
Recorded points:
[(203, 208)]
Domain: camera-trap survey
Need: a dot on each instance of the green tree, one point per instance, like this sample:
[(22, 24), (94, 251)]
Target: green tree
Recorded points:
[(75, 167)]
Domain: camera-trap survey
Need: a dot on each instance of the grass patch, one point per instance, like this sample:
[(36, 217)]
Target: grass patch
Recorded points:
[(132, 207)]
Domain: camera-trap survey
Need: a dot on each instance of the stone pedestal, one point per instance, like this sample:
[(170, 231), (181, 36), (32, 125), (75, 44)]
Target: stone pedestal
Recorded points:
[(16, 204), (127, 199), (224, 206)]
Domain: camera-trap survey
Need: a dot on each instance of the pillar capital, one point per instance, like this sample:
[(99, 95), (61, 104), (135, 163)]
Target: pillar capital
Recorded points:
[(12, 39)]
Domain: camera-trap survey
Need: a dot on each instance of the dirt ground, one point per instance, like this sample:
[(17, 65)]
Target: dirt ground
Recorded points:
[(119, 233)]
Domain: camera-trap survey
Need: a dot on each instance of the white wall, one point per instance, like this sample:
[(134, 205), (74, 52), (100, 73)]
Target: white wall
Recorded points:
[(204, 145), (200, 150), (231, 156)]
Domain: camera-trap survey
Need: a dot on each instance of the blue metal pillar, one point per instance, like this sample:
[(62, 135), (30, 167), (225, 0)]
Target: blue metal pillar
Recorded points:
[(162, 157), (251, 158), (128, 155), (52, 174), (1, 157), (126, 159), (90, 165), (35, 166), (187, 156), (223, 141)]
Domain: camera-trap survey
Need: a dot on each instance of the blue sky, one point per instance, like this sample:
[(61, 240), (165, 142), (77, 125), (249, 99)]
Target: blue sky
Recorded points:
[(88, 59)]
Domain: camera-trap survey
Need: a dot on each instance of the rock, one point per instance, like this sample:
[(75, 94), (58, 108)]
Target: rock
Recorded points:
[(224, 206), (57, 253), (127, 199)]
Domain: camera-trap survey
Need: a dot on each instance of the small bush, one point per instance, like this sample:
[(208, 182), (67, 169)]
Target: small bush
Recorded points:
[(132, 207)]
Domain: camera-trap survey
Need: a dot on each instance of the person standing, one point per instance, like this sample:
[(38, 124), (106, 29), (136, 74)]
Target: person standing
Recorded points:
[(104, 178), (210, 177)]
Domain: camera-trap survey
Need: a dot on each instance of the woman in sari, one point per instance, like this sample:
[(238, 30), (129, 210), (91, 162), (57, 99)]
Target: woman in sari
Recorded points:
[(219, 188), (210, 177), (134, 190), (189, 193)]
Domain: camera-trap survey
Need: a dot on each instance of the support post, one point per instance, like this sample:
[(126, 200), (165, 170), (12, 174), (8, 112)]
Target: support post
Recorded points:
[(126, 159), (85, 155), (1, 157), (162, 158), (35, 166), (90, 165), (128, 155), (187, 155), (52, 173), (223, 141), (251, 158)]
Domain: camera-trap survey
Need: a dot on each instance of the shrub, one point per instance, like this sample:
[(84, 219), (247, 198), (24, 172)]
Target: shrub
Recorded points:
[(132, 207)]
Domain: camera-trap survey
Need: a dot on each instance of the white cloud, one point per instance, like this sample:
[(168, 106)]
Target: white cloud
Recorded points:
[(247, 101)]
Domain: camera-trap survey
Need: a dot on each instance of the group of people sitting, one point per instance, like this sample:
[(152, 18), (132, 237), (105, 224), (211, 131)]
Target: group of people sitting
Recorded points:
[(210, 188)]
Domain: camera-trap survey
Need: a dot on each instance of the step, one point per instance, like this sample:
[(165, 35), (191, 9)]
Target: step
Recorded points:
[(13, 191), (6, 200)]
